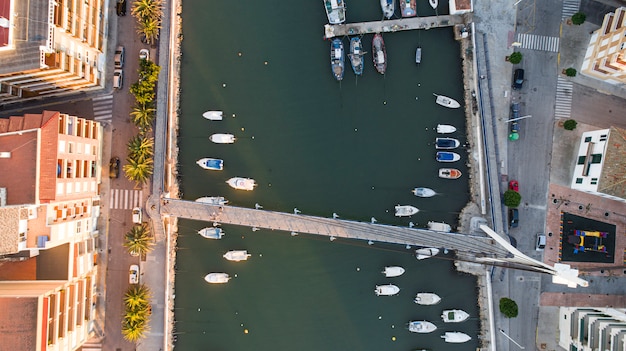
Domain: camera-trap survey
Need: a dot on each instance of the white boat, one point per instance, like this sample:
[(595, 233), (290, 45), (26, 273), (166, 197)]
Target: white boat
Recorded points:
[(393, 271), (220, 138), (439, 227), (445, 129), (406, 210), (217, 278), (421, 327), (386, 290), (237, 255), (433, 4), (418, 55), (212, 200), (426, 252), (446, 101), (427, 299), (335, 11), (447, 156), (214, 164), (213, 115), (388, 7), (449, 173), (454, 316), (446, 143), (242, 183), (424, 192), (456, 337), (211, 233)]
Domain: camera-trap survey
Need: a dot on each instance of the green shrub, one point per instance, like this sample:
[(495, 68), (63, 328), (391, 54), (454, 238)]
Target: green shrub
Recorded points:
[(515, 58), (579, 18), (512, 198), (508, 307), (570, 72), (570, 124)]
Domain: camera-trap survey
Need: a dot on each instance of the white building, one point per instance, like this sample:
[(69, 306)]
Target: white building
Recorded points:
[(592, 329)]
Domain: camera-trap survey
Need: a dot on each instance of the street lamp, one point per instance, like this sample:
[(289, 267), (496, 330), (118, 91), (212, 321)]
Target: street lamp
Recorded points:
[(517, 119), (508, 337)]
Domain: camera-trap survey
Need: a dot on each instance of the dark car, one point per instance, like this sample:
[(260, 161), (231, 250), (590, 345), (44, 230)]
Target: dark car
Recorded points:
[(121, 7), (114, 167), (515, 110), (513, 218), (518, 78)]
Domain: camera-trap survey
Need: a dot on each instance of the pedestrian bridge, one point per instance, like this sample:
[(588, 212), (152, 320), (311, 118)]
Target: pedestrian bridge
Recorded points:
[(473, 245)]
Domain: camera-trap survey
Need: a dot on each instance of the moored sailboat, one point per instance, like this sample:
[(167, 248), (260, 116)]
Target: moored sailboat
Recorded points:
[(337, 58), (408, 8), (356, 55), (388, 7), (379, 53), (335, 11)]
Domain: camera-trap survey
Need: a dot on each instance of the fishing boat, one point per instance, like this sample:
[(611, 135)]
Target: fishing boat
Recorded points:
[(445, 129), (406, 210), (408, 8), (454, 316), (446, 101), (439, 227), (337, 58), (456, 337), (447, 156), (335, 11), (393, 271), (446, 143), (240, 183), (418, 55), (386, 290), (380, 54), (237, 255), (356, 55), (212, 200), (426, 252), (433, 4), (219, 138), (449, 173), (421, 327), (213, 115), (427, 299), (217, 278), (214, 164), (211, 233), (388, 7), (424, 192)]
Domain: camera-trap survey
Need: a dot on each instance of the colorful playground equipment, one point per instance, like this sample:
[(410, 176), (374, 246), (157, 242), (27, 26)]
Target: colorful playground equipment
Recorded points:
[(585, 240)]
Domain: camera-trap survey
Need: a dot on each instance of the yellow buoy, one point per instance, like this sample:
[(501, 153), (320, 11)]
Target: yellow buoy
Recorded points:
[(393, 338), (245, 331)]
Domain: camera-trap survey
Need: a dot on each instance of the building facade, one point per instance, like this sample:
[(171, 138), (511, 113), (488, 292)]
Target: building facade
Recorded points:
[(590, 329), (605, 58)]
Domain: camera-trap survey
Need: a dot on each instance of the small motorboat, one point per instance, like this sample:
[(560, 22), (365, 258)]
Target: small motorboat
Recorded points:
[(388, 7), (446, 143), (393, 271), (446, 156), (211, 233), (446, 101), (418, 55), (449, 173), (433, 4), (237, 255), (217, 278), (241, 183), (427, 299), (337, 58), (426, 252), (335, 11), (379, 53), (408, 8), (456, 337), (439, 227), (386, 290), (406, 210), (214, 164), (454, 316), (422, 327), (356, 55), (212, 200), (424, 192), (213, 115), (445, 129), (219, 138)]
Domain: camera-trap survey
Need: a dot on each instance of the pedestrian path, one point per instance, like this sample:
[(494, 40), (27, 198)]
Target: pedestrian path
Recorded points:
[(103, 108), (538, 42), (570, 7), (564, 90), (124, 199)]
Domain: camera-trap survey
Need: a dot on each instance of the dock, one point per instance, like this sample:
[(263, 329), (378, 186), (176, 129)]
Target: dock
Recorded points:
[(395, 25)]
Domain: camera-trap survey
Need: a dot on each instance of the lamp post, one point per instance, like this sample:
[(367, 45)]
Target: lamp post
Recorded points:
[(508, 337), (517, 119)]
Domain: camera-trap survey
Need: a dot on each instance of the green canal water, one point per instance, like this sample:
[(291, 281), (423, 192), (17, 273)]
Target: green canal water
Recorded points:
[(354, 148)]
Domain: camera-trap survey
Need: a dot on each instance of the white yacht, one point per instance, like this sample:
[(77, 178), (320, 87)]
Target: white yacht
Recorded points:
[(242, 183), (454, 316), (406, 210), (217, 278), (422, 327), (427, 299), (386, 290), (393, 271), (237, 255), (220, 138)]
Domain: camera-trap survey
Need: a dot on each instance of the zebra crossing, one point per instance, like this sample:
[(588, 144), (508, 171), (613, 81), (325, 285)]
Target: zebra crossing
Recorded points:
[(538, 42), (563, 106), (103, 108), (124, 199), (570, 7)]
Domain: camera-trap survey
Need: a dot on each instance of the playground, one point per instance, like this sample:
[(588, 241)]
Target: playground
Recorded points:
[(586, 240)]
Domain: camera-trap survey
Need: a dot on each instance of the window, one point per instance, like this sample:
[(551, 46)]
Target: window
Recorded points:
[(596, 158), (587, 139), (581, 160), (594, 181), (70, 147), (579, 180), (603, 137)]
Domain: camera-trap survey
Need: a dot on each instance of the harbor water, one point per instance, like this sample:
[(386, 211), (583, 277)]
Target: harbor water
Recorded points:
[(355, 148)]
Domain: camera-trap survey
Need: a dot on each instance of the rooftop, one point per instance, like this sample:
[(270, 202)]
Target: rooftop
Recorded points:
[(613, 179)]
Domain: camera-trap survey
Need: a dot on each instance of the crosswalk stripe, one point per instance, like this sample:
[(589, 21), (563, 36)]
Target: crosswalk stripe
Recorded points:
[(103, 108), (570, 7), (124, 199), (563, 104), (538, 42)]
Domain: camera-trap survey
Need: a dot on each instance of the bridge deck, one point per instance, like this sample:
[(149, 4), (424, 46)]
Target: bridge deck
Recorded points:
[(330, 227)]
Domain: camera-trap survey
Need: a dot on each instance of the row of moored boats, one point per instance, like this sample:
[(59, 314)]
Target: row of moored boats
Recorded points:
[(336, 9), (356, 56)]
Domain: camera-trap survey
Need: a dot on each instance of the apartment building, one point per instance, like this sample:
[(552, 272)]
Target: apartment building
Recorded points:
[(590, 329), (605, 58)]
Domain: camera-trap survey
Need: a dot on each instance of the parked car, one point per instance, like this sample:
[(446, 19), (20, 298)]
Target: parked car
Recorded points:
[(118, 58), (120, 7), (518, 78), (114, 167), (118, 79), (513, 218), (514, 134), (514, 185), (144, 54), (133, 274), (137, 215), (515, 110), (541, 242)]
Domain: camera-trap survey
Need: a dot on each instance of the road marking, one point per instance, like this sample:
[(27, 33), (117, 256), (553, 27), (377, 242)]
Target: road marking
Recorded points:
[(570, 7), (537, 207), (103, 108), (564, 92), (538, 42), (124, 199)]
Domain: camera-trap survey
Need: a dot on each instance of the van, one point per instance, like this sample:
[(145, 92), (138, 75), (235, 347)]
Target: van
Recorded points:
[(118, 79), (137, 215), (541, 242), (513, 218), (120, 7), (518, 79)]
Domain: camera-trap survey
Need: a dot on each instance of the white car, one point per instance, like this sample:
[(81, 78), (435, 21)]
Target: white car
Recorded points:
[(118, 79), (144, 54), (118, 58), (137, 215), (133, 274), (541, 242)]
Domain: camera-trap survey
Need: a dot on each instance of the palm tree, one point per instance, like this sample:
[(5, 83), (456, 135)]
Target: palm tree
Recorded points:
[(143, 9), (143, 115), (140, 314), (140, 147), (149, 28), (134, 331), (138, 170), (138, 240), (136, 296)]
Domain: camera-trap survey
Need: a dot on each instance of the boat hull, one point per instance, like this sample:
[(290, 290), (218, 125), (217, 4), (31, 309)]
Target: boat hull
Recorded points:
[(422, 327), (424, 192), (219, 138), (356, 55), (388, 7), (439, 227), (379, 53), (337, 58), (335, 11), (446, 101), (408, 8), (449, 173), (393, 271), (445, 156), (433, 4), (237, 255), (418, 55), (446, 143), (427, 299), (212, 200), (405, 210), (211, 233), (445, 129), (217, 278), (456, 337), (214, 164), (386, 290), (213, 115), (240, 183), (454, 316), (427, 252)]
